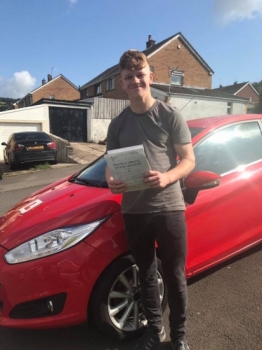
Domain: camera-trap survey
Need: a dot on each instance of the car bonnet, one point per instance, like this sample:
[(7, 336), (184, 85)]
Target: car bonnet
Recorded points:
[(64, 204)]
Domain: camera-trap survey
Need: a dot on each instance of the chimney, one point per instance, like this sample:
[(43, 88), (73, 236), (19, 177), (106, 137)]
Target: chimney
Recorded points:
[(150, 42), (43, 81), (49, 77)]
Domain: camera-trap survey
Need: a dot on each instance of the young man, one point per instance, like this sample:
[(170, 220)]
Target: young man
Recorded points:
[(156, 213)]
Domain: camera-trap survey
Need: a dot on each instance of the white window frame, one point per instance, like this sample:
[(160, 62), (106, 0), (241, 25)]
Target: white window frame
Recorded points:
[(98, 89), (111, 83), (176, 77)]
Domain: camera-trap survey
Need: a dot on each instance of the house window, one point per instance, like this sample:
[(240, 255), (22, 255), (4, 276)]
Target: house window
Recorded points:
[(151, 69), (98, 89), (176, 77), (110, 83), (52, 97), (84, 93), (229, 107)]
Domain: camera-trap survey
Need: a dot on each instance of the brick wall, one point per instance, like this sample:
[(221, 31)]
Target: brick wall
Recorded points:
[(174, 55), (117, 92), (248, 92), (60, 88), (195, 74)]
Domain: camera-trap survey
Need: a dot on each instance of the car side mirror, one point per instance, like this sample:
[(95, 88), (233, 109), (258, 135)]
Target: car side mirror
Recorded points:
[(197, 181)]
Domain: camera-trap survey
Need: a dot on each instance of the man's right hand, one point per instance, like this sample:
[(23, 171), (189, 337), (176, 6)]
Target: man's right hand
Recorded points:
[(116, 186)]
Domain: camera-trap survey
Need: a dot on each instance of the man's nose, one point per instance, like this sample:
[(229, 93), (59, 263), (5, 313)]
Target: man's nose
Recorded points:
[(136, 80)]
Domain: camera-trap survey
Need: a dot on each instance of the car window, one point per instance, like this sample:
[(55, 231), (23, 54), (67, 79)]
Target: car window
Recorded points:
[(230, 147), (31, 136), (95, 172)]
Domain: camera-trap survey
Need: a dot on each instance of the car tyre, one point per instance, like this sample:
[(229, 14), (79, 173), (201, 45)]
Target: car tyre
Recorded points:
[(11, 166), (118, 288), (5, 159)]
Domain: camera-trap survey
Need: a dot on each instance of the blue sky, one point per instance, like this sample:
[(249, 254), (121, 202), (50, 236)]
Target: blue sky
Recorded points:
[(81, 38)]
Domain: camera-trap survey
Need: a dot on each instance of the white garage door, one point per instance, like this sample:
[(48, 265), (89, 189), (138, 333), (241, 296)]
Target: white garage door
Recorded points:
[(6, 129)]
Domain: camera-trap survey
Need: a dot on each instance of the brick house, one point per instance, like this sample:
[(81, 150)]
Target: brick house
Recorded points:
[(172, 60), (245, 90), (58, 88)]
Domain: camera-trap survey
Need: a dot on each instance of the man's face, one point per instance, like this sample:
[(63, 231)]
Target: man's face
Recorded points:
[(136, 83)]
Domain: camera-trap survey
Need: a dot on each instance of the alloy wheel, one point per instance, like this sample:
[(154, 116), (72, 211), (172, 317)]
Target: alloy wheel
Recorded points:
[(124, 304)]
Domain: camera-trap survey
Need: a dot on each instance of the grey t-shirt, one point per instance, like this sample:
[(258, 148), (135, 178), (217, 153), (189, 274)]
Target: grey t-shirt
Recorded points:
[(158, 129)]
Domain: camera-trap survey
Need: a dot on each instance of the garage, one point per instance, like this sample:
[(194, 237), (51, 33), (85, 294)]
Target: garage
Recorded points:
[(68, 123), (6, 129)]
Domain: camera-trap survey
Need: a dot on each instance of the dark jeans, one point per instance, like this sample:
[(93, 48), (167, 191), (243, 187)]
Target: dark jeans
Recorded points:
[(168, 229)]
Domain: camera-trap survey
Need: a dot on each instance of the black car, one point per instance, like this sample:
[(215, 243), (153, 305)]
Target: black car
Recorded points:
[(29, 147)]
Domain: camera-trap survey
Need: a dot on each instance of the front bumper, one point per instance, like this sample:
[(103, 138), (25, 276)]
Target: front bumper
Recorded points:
[(70, 274)]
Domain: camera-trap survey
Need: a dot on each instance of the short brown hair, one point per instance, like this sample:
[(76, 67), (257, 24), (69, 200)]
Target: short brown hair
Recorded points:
[(132, 59)]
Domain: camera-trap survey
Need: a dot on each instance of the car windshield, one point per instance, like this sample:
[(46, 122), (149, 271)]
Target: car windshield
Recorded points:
[(195, 131), (93, 175), (31, 136)]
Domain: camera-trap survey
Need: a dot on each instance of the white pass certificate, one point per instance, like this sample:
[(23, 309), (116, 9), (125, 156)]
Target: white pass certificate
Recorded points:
[(128, 164)]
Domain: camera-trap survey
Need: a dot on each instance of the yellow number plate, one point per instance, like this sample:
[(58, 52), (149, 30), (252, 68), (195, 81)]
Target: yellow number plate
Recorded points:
[(35, 147)]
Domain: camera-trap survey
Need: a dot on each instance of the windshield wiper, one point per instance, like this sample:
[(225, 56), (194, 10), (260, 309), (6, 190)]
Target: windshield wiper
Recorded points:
[(93, 183)]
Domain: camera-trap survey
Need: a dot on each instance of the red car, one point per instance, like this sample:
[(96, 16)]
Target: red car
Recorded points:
[(63, 254)]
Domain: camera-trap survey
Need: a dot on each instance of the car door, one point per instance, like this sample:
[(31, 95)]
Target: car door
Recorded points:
[(227, 219)]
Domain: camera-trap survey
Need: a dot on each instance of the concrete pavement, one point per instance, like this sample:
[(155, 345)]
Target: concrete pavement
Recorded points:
[(85, 153)]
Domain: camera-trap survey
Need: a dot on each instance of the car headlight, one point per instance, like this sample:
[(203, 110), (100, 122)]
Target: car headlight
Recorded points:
[(50, 243)]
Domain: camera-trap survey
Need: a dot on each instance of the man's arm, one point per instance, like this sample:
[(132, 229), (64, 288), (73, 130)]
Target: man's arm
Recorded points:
[(186, 163)]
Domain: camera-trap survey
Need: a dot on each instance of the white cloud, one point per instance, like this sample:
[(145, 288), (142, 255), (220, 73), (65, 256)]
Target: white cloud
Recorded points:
[(234, 10), (18, 86)]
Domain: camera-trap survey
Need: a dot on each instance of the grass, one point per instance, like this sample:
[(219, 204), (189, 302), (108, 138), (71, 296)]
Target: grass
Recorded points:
[(41, 166)]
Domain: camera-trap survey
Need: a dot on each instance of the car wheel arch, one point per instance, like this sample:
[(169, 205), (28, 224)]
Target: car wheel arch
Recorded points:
[(99, 292)]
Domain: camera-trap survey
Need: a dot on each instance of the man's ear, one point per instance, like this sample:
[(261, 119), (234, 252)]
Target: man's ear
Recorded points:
[(151, 78)]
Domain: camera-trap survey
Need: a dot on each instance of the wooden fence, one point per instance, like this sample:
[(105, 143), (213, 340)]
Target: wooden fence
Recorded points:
[(107, 108)]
